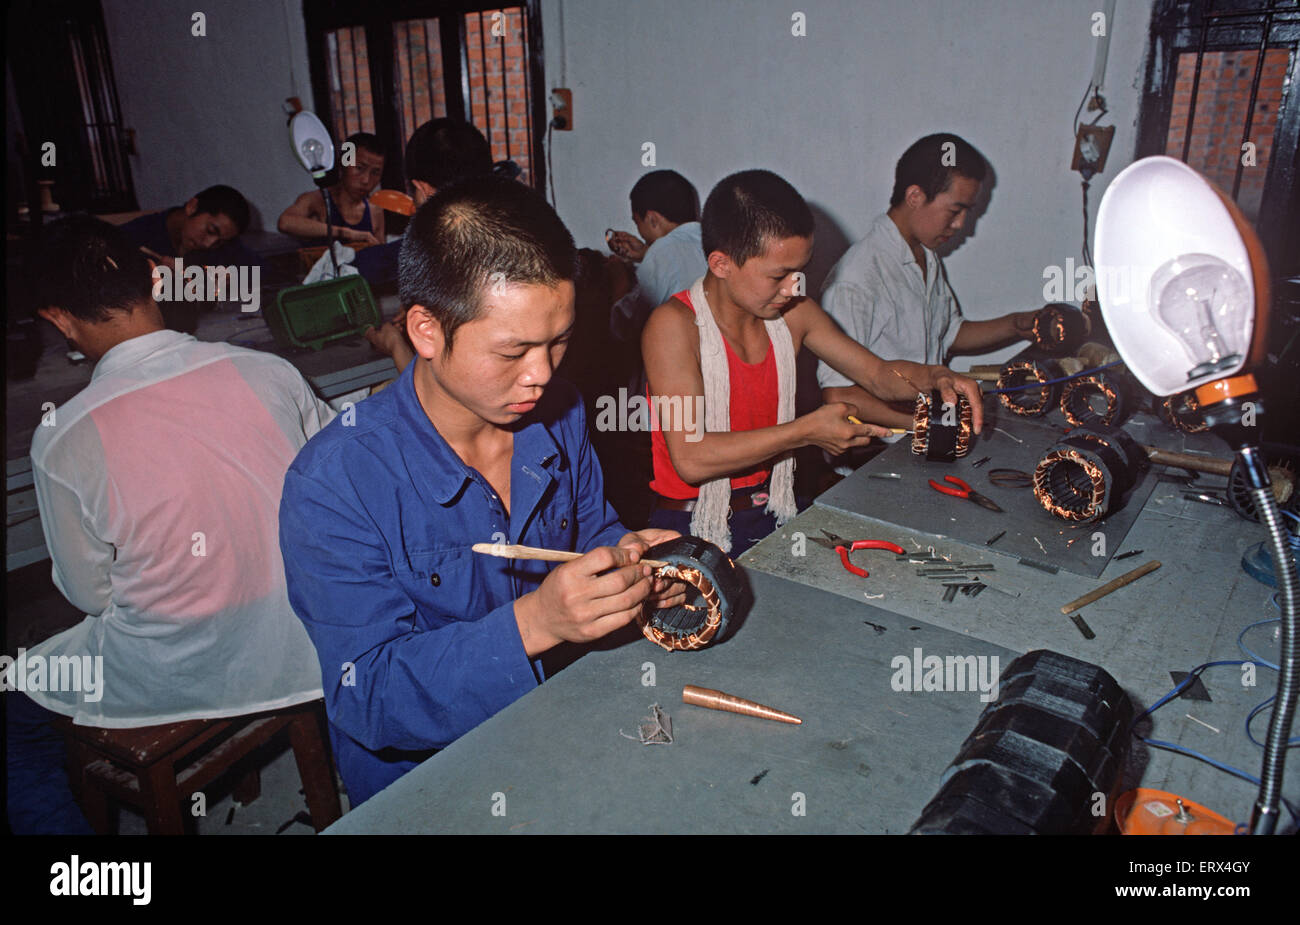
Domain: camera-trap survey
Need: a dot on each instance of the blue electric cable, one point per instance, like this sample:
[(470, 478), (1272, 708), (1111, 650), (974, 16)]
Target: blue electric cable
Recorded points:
[(1038, 385), (1192, 753)]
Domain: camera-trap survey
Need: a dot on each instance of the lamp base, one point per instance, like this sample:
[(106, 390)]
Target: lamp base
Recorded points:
[(1258, 564)]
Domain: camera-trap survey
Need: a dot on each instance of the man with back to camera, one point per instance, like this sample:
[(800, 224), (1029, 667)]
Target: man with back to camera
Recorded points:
[(158, 486)]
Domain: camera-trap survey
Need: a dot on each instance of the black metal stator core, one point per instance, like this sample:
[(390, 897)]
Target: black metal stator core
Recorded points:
[(717, 592)]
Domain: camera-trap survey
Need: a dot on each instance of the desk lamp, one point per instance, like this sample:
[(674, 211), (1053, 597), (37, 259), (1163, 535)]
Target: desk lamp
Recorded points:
[(314, 149), (1184, 290)]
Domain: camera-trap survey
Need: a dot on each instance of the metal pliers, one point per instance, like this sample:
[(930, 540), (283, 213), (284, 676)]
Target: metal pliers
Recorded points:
[(964, 491), (844, 547)]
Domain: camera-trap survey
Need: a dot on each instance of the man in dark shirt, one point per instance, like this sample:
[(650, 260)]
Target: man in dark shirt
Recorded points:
[(205, 230)]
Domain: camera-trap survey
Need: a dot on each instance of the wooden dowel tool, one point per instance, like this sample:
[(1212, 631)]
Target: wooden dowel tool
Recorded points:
[(1126, 579), (717, 700), (508, 551)]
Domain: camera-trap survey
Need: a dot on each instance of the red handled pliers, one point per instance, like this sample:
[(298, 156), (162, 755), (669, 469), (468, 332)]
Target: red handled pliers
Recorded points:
[(964, 491), (844, 547)]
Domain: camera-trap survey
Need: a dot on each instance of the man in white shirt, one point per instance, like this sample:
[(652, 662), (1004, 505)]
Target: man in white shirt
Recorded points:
[(890, 291), (666, 210), (159, 489)]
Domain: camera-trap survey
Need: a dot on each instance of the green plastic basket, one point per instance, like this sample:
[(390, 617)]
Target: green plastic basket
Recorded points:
[(313, 316)]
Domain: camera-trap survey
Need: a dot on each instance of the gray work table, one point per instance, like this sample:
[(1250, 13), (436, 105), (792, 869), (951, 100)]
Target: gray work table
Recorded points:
[(867, 758)]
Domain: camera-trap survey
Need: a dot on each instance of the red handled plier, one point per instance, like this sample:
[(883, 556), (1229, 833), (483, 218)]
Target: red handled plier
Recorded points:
[(844, 547), (964, 491)]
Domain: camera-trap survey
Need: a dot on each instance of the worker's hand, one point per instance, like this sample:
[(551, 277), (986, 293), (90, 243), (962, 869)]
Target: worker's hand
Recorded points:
[(354, 236), (829, 427), (583, 600), (1023, 322), (950, 384), (664, 592), (625, 245)]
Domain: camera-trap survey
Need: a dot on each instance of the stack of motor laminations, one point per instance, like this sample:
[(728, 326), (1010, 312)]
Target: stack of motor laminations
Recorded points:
[(1045, 758)]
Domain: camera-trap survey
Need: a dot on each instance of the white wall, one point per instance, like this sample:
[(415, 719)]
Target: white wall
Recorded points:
[(723, 85), (208, 109)]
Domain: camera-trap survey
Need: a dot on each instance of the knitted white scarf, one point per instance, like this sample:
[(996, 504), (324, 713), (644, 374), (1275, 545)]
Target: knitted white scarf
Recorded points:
[(709, 520)]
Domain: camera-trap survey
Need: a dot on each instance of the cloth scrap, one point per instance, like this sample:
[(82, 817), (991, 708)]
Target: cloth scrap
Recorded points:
[(655, 729)]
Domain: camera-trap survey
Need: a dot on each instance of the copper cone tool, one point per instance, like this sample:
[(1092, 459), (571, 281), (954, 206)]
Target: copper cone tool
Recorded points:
[(717, 700)]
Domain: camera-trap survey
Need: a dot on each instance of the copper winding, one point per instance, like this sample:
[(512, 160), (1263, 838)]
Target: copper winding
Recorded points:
[(1049, 329), (923, 425), (1183, 412), (702, 636), (1076, 404), (1067, 497), (1025, 401)]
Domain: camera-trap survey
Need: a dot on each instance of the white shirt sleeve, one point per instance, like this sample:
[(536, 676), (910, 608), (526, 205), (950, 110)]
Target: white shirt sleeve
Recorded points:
[(858, 313), (81, 560)]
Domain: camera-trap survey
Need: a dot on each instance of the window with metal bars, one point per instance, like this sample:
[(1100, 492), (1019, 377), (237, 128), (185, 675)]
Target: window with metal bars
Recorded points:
[(61, 65), (1223, 95), (389, 71)]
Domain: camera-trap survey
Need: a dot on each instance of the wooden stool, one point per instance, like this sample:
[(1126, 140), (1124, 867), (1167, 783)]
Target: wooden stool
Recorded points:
[(157, 769)]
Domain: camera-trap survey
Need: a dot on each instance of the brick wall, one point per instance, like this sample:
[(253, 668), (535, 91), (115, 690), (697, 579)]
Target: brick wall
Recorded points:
[(498, 82), (1221, 103), (496, 45)]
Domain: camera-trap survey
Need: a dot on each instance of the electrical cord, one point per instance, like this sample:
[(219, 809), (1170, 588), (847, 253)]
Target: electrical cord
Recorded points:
[(550, 173), (1193, 753), (1039, 385)]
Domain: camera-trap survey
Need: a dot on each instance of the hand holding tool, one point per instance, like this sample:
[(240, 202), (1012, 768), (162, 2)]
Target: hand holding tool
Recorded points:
[(964, 491), (844, 547)]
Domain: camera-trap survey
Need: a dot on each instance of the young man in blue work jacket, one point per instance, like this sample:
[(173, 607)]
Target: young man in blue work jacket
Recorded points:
[(420, 639)]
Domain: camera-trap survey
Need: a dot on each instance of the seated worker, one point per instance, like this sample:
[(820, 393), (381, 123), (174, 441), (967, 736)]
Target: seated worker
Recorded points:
[(728, 347), (203, 231), (665, 209), (348, 216), (421, 639), (158, 486), (439, 152), (890, 292)]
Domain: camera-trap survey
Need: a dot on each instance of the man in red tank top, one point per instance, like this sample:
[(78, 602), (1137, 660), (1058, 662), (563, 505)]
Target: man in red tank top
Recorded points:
[(758, 236)]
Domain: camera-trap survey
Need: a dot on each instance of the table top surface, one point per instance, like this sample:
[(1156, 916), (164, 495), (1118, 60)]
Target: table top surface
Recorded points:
[(820, 643)]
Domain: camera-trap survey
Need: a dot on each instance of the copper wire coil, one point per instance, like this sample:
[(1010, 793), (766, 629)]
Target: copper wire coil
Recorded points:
[(673, 637), (1073, 484), (717, 592), (1059, 329), (934, 439), (1183, 412), (1028, 402), (1132, 459), (1077, 400)]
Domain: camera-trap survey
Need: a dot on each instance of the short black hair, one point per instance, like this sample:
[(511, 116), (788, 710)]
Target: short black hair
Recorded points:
[(225, 200), (442, 151), (88, 268), (460, 239), (365, 141), (931, 165), (747, 210), (668, 193)]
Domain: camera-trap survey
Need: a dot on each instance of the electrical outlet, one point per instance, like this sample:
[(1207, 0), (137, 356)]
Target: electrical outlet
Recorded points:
[(1091, 147), (562, 110)]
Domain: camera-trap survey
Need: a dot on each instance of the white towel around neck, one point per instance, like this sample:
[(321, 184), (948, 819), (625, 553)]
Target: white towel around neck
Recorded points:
[(709, 520)]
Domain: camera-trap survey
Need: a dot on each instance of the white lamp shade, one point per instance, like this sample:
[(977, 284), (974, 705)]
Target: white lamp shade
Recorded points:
[(1174, 277), (312, 145)]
